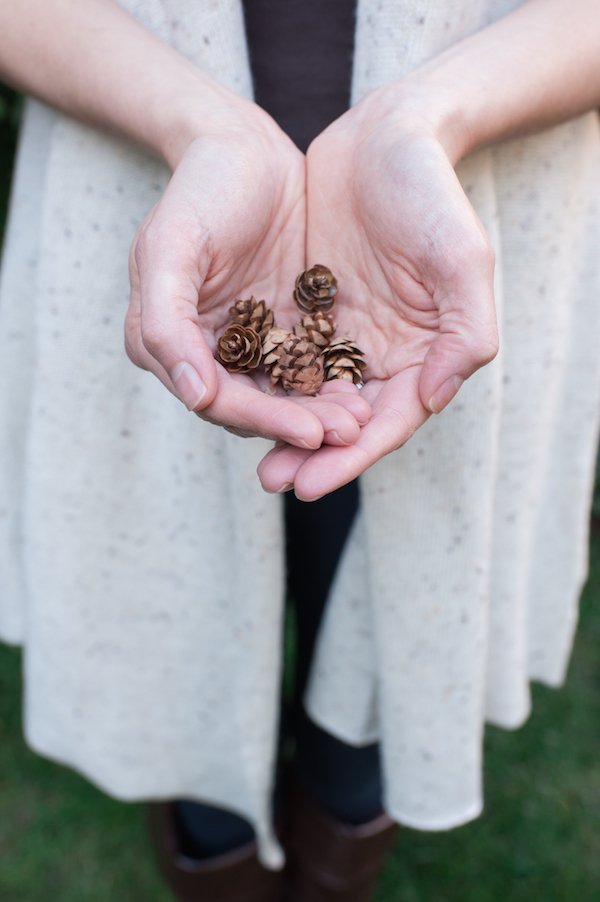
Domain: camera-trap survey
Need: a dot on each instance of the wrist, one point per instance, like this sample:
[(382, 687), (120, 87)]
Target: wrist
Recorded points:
[(195, 108), (202, 108), (426, 103), (527, 71)]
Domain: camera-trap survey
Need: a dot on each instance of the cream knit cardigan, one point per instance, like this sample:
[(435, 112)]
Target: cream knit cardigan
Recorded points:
[(152, 660)]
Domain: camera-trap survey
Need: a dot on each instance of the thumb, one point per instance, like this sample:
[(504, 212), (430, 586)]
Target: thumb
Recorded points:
[(467, 340), (169, 276)]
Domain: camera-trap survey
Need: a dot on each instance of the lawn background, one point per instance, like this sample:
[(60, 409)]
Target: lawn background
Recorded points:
[(538, 841)]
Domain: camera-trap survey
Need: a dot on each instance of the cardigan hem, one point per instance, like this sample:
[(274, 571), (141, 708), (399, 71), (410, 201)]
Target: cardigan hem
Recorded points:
[(440, 822), (269, 852)]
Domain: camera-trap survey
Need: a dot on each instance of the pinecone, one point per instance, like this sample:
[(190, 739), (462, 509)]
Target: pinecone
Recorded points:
[(296, 363), (342, 359), (239, 349), (317, 327), (315, 289), (253, 313)]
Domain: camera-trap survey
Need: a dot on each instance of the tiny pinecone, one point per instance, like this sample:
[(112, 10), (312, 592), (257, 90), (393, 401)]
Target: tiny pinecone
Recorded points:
[(317, 327), (294, 362), (315, 289), (239, 349), (253, 313), (342, 359)]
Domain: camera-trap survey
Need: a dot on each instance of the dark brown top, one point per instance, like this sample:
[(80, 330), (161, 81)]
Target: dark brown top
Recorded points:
[(301, 57)]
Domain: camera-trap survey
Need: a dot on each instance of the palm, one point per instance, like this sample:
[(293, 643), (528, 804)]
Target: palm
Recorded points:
[(230, 224), (387, 300), (392, 222), (254, 216)]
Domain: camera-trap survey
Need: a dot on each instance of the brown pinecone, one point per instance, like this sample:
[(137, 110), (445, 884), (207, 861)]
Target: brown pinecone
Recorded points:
[(315, 289), (342, 359), (239, 349), (253, 313), (317, 327), (296, 363)]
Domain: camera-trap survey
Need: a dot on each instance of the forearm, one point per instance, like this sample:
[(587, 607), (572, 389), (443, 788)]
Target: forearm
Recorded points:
[(97, 63), (538, 66)]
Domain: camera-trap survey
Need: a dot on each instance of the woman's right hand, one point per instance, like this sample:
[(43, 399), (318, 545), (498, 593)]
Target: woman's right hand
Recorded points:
[(230, 223)]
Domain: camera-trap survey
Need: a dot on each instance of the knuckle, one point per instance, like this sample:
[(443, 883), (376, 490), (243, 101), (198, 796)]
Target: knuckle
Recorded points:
[(472, 251), (153, 337), (139, 251), (485, 348), (476, 249), (132, 341), (132, 352), (133, 254)]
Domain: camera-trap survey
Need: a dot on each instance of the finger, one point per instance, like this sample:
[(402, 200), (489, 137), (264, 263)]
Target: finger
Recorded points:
[(355, 403), (169, 269), (339, 386), (340, 427), (397, 414), (277, 470), (241, 405), (134, 347), (242, 408), (468, 332)]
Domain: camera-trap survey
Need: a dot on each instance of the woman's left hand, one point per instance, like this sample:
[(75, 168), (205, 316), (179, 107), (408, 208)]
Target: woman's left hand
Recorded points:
[(387, 214)]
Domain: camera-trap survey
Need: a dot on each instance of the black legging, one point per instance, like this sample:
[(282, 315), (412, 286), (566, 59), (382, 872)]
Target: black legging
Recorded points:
[(344, 779)]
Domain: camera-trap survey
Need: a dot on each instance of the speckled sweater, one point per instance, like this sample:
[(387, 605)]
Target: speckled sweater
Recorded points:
[(152, 665)]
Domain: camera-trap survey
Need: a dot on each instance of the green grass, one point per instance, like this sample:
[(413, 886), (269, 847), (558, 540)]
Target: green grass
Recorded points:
[(539, 840), (60, 838)]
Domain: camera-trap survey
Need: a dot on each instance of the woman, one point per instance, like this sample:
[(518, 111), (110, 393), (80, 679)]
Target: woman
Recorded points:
[(455, 585)]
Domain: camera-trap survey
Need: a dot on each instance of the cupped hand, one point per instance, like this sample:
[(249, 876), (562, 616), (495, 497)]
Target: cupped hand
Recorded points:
[(230, 223), (387, 214)]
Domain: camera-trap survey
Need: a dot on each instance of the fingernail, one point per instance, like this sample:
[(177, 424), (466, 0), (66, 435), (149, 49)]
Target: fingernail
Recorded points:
[(285, 487), (338, 440), (190, 387), (442, 397), (298, 442), (282, 488)]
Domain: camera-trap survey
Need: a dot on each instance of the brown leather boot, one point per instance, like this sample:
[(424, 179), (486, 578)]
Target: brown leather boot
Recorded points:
[(235, 876), (332, 861)]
